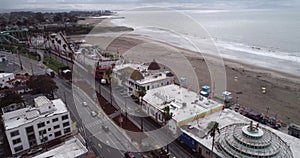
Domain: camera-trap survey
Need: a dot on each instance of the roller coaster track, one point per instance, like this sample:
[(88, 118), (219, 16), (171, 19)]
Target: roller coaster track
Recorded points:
[(8, 39)]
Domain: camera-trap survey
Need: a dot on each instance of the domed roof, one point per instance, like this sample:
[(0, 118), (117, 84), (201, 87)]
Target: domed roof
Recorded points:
[(136, 75), (241, 140), (153, 66)]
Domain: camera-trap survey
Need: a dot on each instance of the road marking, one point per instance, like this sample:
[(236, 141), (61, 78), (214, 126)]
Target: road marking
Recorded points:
[(100, 146), (93, 124)]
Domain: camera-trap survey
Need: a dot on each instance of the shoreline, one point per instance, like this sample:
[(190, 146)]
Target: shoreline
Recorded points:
[(283, 89)]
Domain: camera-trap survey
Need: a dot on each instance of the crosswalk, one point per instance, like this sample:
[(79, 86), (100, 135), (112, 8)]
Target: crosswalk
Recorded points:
[(96, 123)]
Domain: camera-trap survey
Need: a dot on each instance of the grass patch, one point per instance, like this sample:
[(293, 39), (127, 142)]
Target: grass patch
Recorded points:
[(53, 64), (29, 56)]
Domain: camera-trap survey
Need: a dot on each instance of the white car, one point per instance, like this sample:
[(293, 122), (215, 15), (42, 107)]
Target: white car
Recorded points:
[(94, 113), (84, 103)]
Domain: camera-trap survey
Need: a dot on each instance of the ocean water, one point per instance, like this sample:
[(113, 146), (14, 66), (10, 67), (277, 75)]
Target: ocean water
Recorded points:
[(266, 38)]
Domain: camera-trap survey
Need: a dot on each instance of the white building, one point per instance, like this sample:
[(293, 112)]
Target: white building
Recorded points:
[(28, 127), (140, 77), (4, 78), (185, 105), (70, 149), (232, 125)]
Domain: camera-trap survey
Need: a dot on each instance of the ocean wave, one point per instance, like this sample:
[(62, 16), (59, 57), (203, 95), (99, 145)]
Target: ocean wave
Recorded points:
[(243, 48), (267, 57)]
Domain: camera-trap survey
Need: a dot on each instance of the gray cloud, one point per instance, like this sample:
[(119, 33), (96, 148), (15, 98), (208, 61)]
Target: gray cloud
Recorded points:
[(119, 4)]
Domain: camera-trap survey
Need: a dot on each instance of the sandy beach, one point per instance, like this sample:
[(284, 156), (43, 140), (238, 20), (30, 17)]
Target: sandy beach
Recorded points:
[(283, 90)]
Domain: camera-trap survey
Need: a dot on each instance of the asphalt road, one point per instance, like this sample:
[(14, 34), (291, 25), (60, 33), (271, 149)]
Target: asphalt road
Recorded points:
[(82, 115), (28, 65)]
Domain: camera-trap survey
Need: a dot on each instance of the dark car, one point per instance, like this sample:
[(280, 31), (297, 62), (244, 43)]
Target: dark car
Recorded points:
[(129, 155), (105, 128)]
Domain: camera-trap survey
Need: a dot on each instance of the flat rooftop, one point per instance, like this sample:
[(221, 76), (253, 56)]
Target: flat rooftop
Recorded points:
[(140, 67), (70, 149), (185, 104), (143, 69), (153, 78), (198, 129), (42, 100), (6, 74), (26, 115)]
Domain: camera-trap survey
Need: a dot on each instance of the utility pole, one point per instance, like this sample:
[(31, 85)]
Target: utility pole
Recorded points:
[(100, 89), (21, 66), (268, 108), (65, 97), (142, 119), (31, 69)]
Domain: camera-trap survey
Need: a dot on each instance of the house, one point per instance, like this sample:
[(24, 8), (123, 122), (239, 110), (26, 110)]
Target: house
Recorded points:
[(142, 78), (4, 78), (185, 105), (15, 83), (28, 127)]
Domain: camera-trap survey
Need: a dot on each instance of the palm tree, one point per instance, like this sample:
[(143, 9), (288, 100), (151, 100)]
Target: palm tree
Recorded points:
[(167, 115), (214, 127), (142, 93), (108, 74)]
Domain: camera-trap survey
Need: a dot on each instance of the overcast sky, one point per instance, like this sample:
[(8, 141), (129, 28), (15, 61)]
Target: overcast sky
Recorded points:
[(127, 4)]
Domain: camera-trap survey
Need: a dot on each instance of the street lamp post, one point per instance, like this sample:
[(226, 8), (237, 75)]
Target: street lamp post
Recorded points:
[(21, 66)]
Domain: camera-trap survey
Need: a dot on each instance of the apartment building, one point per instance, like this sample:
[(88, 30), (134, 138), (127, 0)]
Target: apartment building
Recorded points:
[(29, 127)]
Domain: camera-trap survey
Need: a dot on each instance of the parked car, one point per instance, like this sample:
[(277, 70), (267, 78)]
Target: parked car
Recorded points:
[(33, 151), (50, 73), (105, 128)]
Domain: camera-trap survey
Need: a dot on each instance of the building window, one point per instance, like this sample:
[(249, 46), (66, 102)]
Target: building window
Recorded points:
[(14, 133), (42, 132), (29, 129), (18, 148), (66, 124), (67, 130), (55, 127), (49, 129), (48, 122), (160, 116), (50, 135), (151, 111), (46, 139), (16, 141), (65, 117), (40, 125), (43, 140), (144, 107), (57, 134), (54, 120)]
